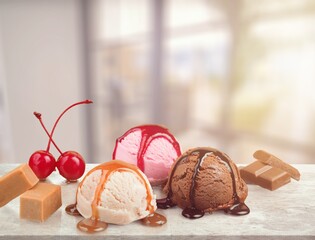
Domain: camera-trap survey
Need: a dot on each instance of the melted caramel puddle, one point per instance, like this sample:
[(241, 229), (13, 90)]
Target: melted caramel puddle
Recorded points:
[(90, 225), (72, 210), (154, 220)]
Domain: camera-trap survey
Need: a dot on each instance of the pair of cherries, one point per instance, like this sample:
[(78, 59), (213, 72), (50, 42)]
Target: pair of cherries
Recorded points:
[(70, 164)]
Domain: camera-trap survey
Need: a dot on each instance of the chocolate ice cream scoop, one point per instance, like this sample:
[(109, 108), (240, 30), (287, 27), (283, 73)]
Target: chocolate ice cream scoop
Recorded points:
[(204, 180)]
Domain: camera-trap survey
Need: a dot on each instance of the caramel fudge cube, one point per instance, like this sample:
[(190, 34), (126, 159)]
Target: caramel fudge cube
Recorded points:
[(16, 182), (40, 202)]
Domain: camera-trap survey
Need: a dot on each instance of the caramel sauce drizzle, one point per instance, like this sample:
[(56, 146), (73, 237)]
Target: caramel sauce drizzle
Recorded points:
[(93, 224)]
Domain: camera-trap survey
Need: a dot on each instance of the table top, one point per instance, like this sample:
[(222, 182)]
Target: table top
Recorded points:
[(286, 213)]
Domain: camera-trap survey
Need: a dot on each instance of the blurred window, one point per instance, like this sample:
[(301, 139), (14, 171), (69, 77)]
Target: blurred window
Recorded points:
[(236, 74)]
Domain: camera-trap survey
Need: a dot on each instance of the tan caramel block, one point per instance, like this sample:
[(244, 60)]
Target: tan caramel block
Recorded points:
[(40, 202), (16, 182)]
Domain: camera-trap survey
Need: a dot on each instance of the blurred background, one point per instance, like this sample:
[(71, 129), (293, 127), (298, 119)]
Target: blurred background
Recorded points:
[(238, 75)]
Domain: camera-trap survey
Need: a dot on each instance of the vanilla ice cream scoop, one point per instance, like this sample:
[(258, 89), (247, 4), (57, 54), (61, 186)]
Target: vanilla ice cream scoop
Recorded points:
[(115, 192)]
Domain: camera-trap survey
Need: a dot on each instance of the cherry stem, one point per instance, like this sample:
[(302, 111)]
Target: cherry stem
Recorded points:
[(39, 117), (53, 129)]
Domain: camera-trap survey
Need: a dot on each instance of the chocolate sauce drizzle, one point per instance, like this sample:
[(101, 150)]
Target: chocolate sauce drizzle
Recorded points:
[(239, 207)]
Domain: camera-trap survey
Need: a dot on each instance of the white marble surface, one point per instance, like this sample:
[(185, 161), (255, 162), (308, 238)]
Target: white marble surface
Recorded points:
[(287, 213)]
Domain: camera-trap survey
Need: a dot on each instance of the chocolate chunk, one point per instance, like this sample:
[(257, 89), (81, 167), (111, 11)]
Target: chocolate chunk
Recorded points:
[(272, 160), (264, 175)]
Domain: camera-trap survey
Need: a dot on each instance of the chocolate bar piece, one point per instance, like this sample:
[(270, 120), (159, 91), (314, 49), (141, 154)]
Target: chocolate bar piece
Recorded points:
[(272, 160), (40, 202), (16, 182), (264, 175)]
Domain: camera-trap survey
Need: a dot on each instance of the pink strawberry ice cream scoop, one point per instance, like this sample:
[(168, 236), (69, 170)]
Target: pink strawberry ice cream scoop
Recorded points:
[(150, 147)]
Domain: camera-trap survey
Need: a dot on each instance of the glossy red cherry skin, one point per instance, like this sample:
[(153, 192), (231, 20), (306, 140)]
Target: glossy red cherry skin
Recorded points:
[(42, 163), (71, 165)]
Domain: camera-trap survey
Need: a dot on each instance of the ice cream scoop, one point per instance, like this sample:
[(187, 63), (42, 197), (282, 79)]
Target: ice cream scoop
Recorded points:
[(150, 147), (115, 192), (204, 180)]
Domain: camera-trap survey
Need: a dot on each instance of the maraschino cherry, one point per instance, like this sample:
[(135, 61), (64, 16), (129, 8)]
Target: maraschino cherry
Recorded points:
[(70, 164), (42, 162)]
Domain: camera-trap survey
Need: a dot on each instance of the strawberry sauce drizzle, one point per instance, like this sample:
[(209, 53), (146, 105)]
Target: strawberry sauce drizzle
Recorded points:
[(148, 134)]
